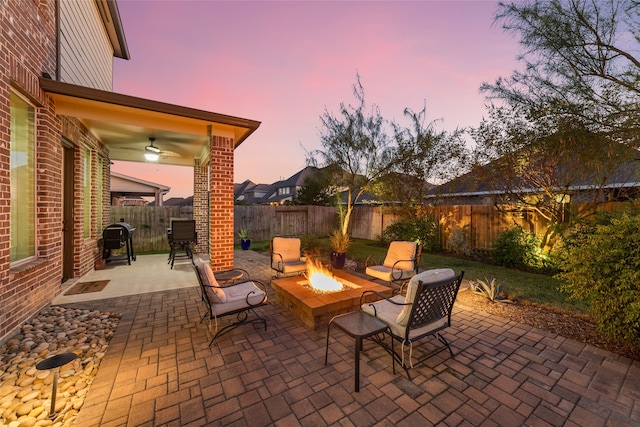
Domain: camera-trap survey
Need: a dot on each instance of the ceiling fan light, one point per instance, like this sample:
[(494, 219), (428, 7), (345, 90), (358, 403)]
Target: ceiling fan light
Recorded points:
[(152, 148), (152, 157)]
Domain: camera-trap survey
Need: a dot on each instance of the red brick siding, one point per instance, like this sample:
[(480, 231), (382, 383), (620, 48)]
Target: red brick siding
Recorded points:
[(221, 202), (27, 48), (201, 205)]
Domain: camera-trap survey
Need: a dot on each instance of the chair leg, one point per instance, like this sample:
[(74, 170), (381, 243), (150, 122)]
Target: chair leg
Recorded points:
[(445, 342), (326, 348), (242, 319)]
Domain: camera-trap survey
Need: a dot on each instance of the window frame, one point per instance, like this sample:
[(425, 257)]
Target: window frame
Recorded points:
[(32, 252)]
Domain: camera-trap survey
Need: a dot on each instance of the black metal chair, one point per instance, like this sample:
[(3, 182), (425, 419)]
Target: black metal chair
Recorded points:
[(237, 297), (424, 310), (286, 256), (400, 264), (183, 234)]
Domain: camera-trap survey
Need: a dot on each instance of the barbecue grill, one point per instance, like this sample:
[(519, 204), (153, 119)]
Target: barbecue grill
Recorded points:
[(117, 236)]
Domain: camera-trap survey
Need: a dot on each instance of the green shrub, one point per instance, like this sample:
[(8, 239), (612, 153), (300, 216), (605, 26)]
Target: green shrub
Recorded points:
[(458, 242), (310, 243), (600, 263), (516, 248), (421, 229)]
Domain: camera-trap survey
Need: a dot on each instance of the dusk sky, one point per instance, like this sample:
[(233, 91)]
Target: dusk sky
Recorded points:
[(283, 62)]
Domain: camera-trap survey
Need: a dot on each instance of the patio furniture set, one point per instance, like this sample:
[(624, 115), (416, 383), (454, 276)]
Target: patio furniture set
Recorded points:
[(392, 299)]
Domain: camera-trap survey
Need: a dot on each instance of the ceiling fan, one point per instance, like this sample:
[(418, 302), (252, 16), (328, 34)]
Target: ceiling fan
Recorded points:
[(153, 153)]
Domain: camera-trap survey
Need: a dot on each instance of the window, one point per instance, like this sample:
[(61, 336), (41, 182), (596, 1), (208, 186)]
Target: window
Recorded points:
[(100, 196), (283, 190), (86, 185), (22, 178)]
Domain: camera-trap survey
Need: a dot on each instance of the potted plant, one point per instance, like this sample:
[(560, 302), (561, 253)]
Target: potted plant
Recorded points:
[(245, 242), (340, 242)]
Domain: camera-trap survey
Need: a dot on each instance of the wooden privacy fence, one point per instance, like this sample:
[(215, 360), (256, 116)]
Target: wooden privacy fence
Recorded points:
[(264, 222), (481, 225), (151, 224)]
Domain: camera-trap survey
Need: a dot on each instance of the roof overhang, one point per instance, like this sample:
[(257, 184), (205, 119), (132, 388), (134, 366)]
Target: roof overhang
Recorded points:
[(125, 123)]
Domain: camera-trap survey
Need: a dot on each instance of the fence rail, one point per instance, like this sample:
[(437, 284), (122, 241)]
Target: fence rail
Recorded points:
[(482, 224)]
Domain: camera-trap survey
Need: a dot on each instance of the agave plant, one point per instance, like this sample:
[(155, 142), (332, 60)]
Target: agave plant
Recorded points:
[(489, 288)]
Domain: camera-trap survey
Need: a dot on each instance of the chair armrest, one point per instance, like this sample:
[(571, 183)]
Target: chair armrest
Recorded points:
[(370, 261), (381, 296), (274, 254), (393, 268), (261, 286)]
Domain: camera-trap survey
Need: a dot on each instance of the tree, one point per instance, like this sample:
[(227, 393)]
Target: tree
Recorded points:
[(579, 67), (547, 175), (356, 144), (424, 156), (571, 111), (317, 190)]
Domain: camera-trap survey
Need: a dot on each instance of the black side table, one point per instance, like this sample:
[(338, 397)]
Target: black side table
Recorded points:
[(358, 325)]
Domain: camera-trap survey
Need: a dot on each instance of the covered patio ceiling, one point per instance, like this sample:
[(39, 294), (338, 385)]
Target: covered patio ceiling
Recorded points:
[(125, 123)]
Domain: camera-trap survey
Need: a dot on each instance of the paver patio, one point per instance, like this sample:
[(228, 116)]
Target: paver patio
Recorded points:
[(160, 371)]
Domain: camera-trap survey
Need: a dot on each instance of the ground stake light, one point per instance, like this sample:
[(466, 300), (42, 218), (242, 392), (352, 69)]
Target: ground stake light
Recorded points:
[(55, 362)]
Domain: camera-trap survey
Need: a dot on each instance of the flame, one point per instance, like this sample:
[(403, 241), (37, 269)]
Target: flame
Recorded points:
[(320, 278)]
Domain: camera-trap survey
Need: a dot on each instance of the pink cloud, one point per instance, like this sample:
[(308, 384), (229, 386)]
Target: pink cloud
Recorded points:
[(282, 63)]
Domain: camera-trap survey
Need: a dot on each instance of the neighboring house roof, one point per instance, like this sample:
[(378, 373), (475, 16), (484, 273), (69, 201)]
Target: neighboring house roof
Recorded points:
[(240, 189), (125, 184), (286, 190), (130, 187), (179, 201), (364, 199), (250, 193), (476, 183)]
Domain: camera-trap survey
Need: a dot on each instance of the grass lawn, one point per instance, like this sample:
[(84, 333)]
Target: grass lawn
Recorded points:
[(518, 285)]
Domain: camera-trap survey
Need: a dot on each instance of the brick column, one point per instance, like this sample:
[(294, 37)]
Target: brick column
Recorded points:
[(201, 205), (221, 203)]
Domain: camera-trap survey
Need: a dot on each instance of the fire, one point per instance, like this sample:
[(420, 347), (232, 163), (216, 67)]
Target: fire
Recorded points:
[(320, 278)]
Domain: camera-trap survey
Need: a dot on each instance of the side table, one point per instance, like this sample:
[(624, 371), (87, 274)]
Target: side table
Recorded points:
[(226, 276), (358, 325)]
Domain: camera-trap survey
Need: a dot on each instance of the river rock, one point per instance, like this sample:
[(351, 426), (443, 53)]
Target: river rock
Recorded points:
[(25, 391)]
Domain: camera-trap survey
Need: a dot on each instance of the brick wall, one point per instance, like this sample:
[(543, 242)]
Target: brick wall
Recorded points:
[(221, 202), (27, 49), (201, 205)]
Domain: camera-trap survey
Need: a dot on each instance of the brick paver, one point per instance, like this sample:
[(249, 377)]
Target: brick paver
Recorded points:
[(159, 370)]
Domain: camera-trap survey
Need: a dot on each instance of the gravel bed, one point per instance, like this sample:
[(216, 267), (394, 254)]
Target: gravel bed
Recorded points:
[(25, 392)]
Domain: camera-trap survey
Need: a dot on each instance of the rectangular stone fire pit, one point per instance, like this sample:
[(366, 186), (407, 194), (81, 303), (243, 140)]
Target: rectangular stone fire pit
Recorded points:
[(315, 310)]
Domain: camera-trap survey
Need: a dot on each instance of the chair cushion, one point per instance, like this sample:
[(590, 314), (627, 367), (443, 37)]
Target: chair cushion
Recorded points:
[(428, 276), (404, 252), (218, 295), (287, 247), (388, 274), (387, 312), (237, 296), (289, 267)]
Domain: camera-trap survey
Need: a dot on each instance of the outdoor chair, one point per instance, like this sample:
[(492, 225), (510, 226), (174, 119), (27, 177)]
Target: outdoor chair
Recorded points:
[(236, 297), (424, 310), (181, 236), (400, 264), (286, 256)]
